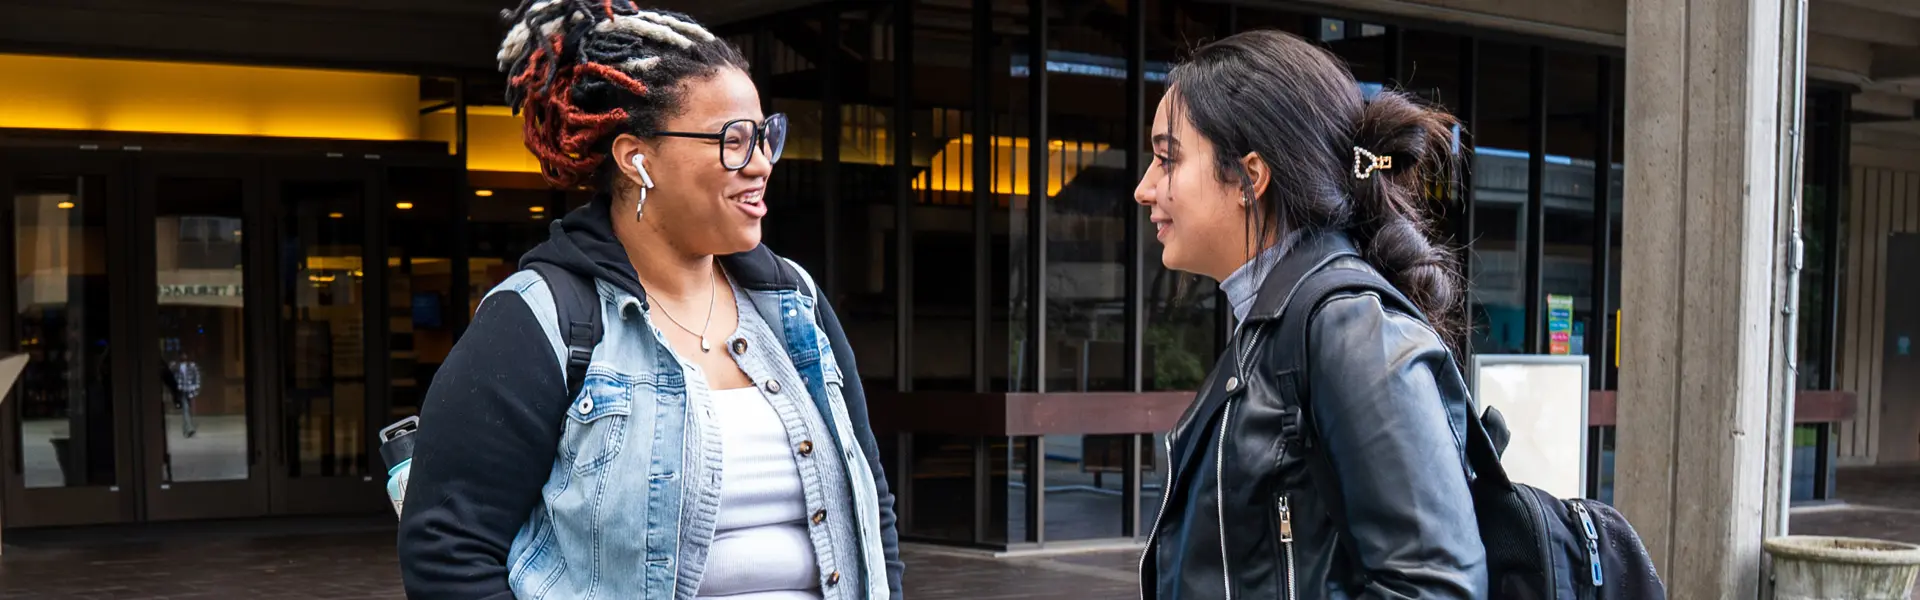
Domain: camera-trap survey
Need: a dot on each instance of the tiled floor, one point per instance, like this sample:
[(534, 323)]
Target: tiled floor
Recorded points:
[(353, 558)]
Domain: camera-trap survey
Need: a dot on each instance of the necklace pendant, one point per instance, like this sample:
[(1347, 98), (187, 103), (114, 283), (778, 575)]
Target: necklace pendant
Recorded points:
[(704, 347)]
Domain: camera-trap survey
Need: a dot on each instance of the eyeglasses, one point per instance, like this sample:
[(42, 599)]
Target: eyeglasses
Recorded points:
[(739, 137)]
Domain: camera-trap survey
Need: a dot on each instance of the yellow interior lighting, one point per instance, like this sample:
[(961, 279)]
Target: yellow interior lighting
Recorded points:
[(483, 193), (166, 97), (403, 205), (952, 168), (64, 205), (333, 263), (494, 141)]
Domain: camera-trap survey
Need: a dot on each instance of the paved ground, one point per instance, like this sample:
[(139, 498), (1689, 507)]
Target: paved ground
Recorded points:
[(252, 561), (353, 558)]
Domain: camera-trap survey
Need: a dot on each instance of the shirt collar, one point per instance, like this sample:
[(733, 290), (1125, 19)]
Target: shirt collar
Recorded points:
[(1244, 284)]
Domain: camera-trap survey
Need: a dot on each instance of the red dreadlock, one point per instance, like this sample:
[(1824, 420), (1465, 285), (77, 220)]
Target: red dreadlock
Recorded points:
[(577, 75), (558, 132)]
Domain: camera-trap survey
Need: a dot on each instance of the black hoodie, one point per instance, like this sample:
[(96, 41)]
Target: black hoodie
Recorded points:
[(492, 419)]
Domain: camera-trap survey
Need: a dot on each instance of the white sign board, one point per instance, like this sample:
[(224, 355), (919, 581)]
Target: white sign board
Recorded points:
[(1544, 401)]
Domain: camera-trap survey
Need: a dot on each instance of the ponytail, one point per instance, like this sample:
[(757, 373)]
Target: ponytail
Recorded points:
[(1389, 219)]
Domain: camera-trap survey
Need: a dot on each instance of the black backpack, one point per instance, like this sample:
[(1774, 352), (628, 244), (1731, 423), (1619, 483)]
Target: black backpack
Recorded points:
[(577, 307), (1539, 547)]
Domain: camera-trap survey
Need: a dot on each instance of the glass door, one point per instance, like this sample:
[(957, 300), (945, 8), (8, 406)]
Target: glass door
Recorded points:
[(327, 321), (200, 376), (67, 421)]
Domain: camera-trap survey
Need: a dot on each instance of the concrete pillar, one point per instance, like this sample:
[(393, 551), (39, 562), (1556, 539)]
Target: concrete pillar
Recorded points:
[(1698, 290)]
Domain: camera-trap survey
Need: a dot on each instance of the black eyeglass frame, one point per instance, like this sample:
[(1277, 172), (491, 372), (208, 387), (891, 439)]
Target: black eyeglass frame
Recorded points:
[(759, 139)]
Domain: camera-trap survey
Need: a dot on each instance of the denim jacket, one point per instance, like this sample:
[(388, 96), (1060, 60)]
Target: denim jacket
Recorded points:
[(618, 506)]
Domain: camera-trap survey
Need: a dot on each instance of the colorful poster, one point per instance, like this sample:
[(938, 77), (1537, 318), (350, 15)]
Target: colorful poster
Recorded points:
[(1559, 324)]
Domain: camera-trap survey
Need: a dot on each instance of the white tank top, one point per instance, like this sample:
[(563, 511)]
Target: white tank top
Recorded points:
[(761, 549)]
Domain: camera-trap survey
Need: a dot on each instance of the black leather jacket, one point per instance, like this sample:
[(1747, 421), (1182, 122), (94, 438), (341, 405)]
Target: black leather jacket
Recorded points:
[(1390, 408)]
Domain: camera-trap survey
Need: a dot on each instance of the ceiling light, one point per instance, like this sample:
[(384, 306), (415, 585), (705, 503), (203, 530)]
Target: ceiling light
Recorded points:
[(404, 205), (335, 215), (537, 209), (483, 193), (64, 205)]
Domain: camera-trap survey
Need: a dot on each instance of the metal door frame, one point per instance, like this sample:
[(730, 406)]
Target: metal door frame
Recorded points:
[(117, 503)]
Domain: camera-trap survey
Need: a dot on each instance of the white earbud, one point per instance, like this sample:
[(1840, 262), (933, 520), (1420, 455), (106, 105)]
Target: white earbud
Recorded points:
[(640, 164), (646, 183)]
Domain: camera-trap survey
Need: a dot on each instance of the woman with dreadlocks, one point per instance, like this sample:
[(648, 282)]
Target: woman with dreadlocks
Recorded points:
[(713, 446)]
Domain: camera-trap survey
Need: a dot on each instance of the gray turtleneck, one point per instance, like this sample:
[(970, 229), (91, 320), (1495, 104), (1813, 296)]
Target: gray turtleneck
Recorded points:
[(1244, 284)]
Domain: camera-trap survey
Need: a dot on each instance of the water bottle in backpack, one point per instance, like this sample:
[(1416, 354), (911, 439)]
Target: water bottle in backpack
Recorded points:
[(396, 448)]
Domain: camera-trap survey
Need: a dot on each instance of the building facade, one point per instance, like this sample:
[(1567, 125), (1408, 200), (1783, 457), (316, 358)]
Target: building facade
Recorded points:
[(238, 252)]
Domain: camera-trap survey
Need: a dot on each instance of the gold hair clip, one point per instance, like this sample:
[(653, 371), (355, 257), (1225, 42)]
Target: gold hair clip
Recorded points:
[(1366, 162)]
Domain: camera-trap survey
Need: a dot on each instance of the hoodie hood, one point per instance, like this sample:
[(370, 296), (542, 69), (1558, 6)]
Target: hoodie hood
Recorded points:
[(583, 243)]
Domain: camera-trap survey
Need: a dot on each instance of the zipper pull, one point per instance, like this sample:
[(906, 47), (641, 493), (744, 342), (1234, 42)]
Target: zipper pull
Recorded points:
[(1593, 543), (1286, 519)]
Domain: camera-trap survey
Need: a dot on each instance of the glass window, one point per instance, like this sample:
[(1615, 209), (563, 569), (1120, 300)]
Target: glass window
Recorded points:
[(1573, 132), (1088, 198), (200, 264), (866, 293), (1500, 183), (323, 321), (420, 304), (65, 394), (1821, 197), (503, 223)]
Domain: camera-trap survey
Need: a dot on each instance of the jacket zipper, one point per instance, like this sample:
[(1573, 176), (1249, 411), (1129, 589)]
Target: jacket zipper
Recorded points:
[(1220, 497), (1165, 494), (1285, 510), (1220, 462), (1593, 549)]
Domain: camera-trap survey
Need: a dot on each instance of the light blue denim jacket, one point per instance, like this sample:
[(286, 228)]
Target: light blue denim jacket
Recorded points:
[(631, 503)]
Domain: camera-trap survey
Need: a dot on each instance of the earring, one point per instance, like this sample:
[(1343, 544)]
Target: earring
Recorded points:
[(646, 183)]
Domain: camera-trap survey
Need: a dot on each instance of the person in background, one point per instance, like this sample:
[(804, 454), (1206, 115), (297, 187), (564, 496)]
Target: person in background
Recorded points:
[(1269, 163), (719, 446)]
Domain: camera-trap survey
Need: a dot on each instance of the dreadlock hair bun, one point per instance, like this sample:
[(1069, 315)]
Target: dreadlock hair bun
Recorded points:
[(586, 70)]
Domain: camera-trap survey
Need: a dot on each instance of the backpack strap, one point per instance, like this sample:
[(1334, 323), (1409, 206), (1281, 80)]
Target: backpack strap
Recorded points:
[(1483, 459), (1319, 286), (577, 308), (810, 290)]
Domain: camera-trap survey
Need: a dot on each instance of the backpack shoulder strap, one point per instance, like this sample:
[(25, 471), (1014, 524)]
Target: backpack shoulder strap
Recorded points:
[(577, 306), (810, 290), (1482, 458), (1313, 292)]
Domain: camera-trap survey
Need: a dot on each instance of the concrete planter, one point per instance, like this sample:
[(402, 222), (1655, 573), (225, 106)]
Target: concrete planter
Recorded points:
[(1830, 568)]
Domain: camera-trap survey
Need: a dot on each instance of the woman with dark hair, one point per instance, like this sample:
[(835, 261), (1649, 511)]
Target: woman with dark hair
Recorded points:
[(1337, 470), (716, 444)]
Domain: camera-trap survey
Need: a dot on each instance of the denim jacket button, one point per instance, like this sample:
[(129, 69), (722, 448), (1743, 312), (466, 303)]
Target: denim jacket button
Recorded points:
[(586, 405), (772, 386)]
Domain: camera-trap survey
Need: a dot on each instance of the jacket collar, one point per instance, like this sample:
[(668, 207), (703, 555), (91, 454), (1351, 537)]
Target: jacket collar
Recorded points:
[(1313, 250)]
